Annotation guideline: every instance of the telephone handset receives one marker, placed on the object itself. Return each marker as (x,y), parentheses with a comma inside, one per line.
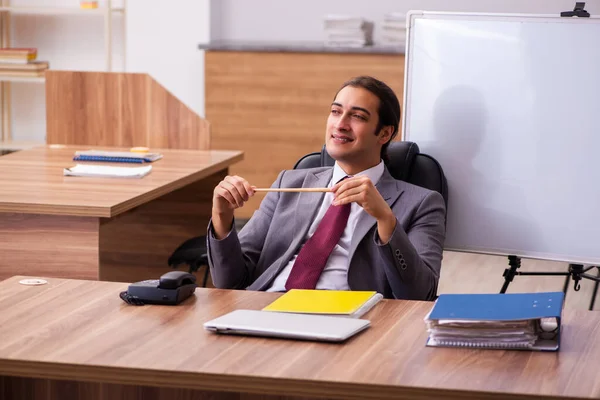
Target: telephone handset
(172,288)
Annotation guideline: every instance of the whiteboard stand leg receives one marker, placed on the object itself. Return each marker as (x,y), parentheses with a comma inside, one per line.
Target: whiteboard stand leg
(515,263)
(566,285)
(509,273)
(578,11)
(576,271)
(596,284)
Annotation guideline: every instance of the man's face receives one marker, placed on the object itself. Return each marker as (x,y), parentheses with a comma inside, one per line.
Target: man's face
(350,135)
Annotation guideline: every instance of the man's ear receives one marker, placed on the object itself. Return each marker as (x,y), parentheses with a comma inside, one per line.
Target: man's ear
(385,134)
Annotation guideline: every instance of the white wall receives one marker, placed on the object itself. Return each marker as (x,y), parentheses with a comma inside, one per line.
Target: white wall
(67,43)
(162,40)
(161,37)
(286,20)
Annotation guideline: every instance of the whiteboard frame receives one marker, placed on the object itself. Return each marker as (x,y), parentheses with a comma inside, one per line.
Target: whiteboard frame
(413,15)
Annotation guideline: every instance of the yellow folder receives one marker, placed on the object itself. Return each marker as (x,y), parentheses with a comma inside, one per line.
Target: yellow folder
(333,302)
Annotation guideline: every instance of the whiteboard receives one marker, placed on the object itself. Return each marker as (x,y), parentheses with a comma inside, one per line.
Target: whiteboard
(510,107)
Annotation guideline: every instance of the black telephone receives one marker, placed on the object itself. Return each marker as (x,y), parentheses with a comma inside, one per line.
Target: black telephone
(171,289)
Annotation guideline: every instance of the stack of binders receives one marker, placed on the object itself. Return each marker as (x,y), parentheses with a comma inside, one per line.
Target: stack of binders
(347,31)
(393,29)
(525,321)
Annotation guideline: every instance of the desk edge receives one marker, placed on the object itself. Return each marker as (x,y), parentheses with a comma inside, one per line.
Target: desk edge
(203,381)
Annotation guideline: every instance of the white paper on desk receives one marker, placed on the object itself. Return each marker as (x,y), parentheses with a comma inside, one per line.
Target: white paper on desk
(103,171)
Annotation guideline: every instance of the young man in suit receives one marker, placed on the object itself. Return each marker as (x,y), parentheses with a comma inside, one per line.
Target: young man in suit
(370,232)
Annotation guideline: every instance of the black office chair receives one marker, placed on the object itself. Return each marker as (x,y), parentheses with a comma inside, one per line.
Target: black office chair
(405,162)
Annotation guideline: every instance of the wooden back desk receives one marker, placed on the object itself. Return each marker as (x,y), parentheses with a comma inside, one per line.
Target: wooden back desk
(102,228)
(78,339)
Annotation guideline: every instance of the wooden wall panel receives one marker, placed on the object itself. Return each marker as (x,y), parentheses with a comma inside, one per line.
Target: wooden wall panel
(172,124)
(95,108)
(274,106)
(119,109)
(48,245)
(133,124)
(136,245)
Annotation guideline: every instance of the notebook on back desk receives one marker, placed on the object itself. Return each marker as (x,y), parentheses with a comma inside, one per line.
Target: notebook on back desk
(287,325)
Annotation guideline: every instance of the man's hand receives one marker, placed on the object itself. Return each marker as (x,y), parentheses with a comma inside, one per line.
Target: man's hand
(231,193)
(361,190)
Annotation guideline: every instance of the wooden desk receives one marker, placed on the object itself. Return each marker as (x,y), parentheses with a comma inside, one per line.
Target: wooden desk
(77,339)
(99,228)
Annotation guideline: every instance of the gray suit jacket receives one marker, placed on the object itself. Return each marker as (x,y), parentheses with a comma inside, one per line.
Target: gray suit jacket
(407,267)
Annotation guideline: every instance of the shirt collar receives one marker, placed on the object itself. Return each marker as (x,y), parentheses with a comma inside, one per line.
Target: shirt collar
(373,173)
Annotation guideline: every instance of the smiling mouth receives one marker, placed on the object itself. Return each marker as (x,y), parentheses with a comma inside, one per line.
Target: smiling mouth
(341,139)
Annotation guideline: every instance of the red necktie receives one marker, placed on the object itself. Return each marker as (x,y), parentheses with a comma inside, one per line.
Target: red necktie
(313,256)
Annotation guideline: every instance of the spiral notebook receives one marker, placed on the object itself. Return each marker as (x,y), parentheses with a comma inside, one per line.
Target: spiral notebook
(520,321)
(116,156)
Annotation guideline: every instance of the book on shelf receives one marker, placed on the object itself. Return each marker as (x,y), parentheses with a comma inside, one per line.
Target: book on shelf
(32,66)
(346,303)
(16,55)
(22,74)
(20,63)
(519,321)
(87,4)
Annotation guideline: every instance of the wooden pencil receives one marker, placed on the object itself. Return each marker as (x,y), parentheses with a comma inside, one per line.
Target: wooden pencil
(292,190)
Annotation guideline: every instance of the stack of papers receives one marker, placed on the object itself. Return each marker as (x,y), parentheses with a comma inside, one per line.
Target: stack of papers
(102,171)
(496,321)
(345,303)
(346,31)
(393,29)
(482,333)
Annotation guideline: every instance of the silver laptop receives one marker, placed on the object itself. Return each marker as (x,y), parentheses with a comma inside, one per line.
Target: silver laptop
(287,325)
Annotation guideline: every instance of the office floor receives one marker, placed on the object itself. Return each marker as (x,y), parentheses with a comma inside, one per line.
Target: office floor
(478,273)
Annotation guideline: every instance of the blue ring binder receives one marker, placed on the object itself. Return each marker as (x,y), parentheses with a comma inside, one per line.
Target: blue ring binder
(110,159)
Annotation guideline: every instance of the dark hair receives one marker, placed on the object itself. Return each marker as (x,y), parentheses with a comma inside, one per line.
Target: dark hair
(389,106)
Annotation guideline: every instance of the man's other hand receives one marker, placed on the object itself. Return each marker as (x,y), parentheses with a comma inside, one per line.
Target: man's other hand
(360,190)
(231,193)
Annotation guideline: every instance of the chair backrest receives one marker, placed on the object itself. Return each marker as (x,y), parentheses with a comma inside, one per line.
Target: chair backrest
(405,162)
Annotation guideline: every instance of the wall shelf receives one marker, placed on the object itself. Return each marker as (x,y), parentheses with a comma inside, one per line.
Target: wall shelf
(33,79)
(60,10)
(7,11)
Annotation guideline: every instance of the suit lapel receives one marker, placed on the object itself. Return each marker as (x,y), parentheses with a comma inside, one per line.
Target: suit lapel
(389,190)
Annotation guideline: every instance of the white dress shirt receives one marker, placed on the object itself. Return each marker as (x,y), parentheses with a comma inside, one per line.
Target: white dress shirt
(335,274)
